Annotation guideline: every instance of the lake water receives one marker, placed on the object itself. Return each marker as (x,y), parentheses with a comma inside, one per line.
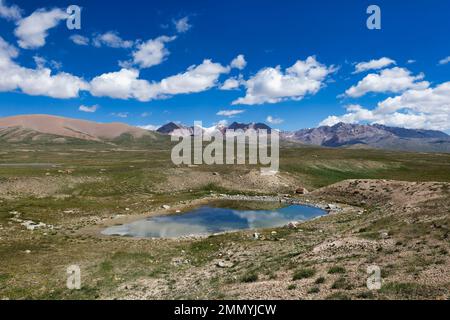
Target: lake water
(208,220)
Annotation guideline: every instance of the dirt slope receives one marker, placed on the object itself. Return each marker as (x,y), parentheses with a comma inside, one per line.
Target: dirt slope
(74,128)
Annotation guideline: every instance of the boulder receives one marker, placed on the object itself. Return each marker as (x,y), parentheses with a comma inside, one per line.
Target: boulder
(224,264)
(292,225)
(301,191)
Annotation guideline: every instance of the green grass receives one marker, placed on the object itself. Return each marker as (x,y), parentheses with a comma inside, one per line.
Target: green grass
(314,290)
(408,290)
(336,269)
(292,286)
(342,283)
(249,277)
(320,280)
(303,273)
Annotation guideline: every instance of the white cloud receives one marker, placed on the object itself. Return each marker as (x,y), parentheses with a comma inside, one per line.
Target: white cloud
(111,39)
(429,100)
(373,64)
(272,85)
(196,79)
(411,61)
(238,62)
(182,25)
(427,108)
(273,120)
(79,40)
(120,114)
(388,80)
(123,84)
(221,123)
(152,52)
(232,83)
(12,12)
(229,113)
(150,127)
(33,30)
(39,81)
(91,109)
(445,60)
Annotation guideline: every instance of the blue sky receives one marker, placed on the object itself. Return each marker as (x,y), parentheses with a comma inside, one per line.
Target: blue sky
(298,67)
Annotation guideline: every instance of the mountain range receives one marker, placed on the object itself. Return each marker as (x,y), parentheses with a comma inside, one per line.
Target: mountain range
(374,136)
(31,128)
(176,129)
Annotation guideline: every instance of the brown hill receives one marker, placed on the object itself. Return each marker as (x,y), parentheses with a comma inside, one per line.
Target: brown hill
(74,128)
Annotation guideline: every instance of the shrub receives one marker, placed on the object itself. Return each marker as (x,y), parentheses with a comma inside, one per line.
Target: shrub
(292,286)
(314,290)
(303,273)
(341,283)
(336,269)
(249,277)
(320,280)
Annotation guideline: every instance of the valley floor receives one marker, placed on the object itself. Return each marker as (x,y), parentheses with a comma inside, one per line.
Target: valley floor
(395,217)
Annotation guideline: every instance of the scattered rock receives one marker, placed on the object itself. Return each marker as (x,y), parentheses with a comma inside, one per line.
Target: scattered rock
(224,264)
(165,206)
(332,207)
(256,236)
(301,191)
(31,225)
(292,225)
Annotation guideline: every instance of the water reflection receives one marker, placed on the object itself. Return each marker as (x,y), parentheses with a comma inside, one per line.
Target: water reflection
(207,220)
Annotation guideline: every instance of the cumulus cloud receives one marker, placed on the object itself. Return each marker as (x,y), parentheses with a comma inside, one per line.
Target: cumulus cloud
(123,84)
(445,60)
(111,39)
(232,83)
(196,79)
(373,64)
(152,52)
(427,108)
(272,85)
(79,40)
(182,25)
(39,81)
(33,30)
(238,62)
(150,127)
(88,109)
(12,12)
(273,120)
(229,113)
(389,80)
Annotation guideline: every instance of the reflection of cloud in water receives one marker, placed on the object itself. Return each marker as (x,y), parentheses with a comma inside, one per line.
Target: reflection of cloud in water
(148,228)
(207,220)
(265,219)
